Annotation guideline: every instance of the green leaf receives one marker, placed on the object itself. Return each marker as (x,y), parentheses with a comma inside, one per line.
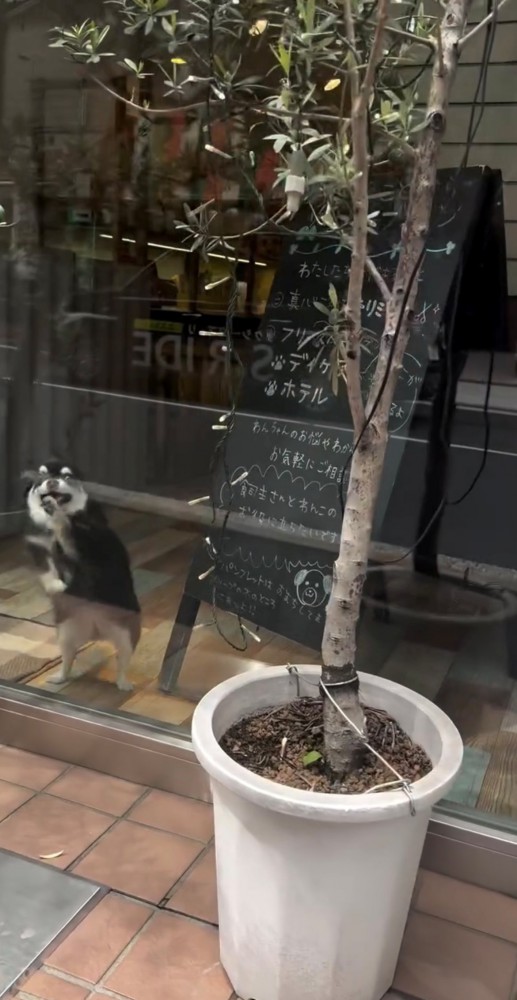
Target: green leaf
(386,108)
(311,758)
(319,152)
(333,296)
(315,138)
(419,127)
(310,11)
(169,25)
(280,142)
(284,57)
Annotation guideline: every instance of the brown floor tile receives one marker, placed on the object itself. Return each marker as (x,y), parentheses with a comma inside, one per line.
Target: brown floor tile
(443,961)
(110,995)
(176,814)
(90,950)
(139,861)
(100,791)
(12,796)
(116,996)
(48,987)
(197,895)
(468,905)
(152,703)
(28,769)
(173,958)
(46,825)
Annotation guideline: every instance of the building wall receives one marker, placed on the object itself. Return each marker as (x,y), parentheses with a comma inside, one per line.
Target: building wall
(495,143)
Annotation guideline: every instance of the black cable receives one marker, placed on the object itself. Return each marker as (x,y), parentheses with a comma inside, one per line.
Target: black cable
(441,506)
(221,449)
(487,433)
(471,134)
(222,452)
(481,84)
(385,377)
(446,502)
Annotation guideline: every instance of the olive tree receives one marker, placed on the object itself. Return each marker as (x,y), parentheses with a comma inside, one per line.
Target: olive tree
(353,97)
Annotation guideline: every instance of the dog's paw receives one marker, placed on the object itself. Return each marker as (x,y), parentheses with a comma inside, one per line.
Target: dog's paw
(50,505)
(55,587)
(123,684)
(59,677)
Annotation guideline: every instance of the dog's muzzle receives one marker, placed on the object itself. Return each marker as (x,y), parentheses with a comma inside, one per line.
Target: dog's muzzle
(55,489)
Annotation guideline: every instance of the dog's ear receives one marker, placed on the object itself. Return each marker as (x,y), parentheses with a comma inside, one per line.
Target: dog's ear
(70,469)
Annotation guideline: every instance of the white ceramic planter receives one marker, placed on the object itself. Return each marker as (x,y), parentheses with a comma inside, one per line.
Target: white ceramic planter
(314,889)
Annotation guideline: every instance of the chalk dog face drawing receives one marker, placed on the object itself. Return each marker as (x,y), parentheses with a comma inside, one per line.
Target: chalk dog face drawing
(83,567)
(312,587)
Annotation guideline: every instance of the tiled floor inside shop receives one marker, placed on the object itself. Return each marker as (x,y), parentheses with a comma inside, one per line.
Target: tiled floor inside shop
(465,672)
(152,932)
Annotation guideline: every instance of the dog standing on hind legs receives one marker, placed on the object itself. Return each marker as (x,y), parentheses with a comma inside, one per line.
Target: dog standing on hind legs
(83,567)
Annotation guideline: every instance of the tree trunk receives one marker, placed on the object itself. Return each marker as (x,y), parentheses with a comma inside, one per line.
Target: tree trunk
(342,744)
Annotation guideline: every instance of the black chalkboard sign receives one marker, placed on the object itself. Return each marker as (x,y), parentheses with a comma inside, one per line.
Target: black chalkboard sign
(292,489)
(289,373)
(292,435)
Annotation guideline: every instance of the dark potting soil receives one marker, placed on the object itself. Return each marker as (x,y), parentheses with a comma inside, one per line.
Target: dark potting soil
(286,745)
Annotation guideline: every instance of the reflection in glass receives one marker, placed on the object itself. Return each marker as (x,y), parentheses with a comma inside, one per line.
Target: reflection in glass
(118,357)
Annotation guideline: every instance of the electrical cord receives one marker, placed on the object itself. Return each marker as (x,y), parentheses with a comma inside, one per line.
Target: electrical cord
(481,84)
(445,501)
(441,506)
(221,452)
(471,134)
(385,378)
(486,438)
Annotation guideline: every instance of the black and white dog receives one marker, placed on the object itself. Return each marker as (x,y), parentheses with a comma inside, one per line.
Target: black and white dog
(83,567)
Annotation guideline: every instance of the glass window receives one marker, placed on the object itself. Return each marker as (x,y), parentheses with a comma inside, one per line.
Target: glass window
(123,347)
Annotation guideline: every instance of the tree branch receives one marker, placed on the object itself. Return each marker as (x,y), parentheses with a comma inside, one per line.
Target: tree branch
(439,51)
(360,96)
(482,24)
(416,226)
(178,108)
(379,280)
(415,39)
(142,107)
